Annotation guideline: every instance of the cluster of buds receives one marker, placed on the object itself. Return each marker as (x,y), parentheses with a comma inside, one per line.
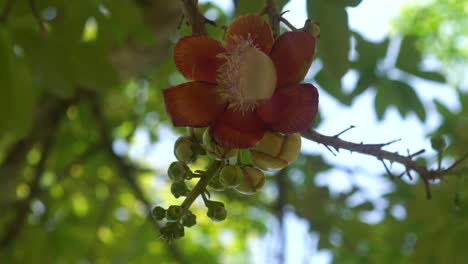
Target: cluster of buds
(237,169)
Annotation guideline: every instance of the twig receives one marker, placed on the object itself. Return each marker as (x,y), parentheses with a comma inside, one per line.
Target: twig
(271,9)
(377,151)
(6,11)
(37,16)
(194,17)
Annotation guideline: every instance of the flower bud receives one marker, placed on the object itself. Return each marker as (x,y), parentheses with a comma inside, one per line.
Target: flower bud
(179,189)
(173,213)
(275,151)
(173,230)
(438,143)
(253,180)
(214,150)
(158,213)
(196,133)
(178,171)
(215,183)
(189,219)
(216,211)
(230,176)
(183,150)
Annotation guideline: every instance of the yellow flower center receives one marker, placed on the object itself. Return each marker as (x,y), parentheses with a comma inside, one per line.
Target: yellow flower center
(247,77)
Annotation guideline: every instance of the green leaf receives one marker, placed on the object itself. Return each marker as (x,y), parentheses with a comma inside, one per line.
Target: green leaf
(409,56)
(431,75)
(399,94)
(17,94)
(352,3)
(332,86)
(369,55)
(248,6)
(334,42)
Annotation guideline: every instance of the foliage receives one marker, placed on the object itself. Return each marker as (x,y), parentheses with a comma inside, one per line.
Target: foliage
(81,82)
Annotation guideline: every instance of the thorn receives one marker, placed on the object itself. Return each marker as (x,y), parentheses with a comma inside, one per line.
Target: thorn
(329,149)
(209,21)
(181,21)
(388,170)
(427,187)
(457,163)
(284,12)
(349,128)
(409,174)
(390,142)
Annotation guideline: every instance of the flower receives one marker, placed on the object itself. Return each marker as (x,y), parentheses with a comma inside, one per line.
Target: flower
(247,86)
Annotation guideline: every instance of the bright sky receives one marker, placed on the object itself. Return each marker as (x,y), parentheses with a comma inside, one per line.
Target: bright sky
(371,19)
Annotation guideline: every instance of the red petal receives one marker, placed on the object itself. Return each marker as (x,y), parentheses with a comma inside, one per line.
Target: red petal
(194,104)
(291,109)
(292,55)
(195,57)
(237,130)
(256,27)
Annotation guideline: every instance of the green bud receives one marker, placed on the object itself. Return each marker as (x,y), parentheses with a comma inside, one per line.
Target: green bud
(196,133)
(177,230)
(189,219)
(183,150)
(159,213)
(215,184)
(216,211)
(252,180)
(179,189)
(230,176)
(214,150)
(171,231)
(438,143)
(173,213)
(178,171)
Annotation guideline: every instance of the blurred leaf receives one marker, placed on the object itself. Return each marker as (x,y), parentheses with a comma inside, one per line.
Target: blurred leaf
(409,57)
(334,41)
(369,55)
(352,3)
(248,6)
(17,95)
(431,75)
(332,86)
(400,94)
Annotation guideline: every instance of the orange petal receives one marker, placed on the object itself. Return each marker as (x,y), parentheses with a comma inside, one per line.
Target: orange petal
(237,130)
(291,109)
(194,104)
(255,27)
(195,57)
(292,55)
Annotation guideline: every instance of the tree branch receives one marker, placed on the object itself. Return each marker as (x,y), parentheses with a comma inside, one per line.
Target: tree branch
(376,150)
(37,16)
(14,228)
(126,171)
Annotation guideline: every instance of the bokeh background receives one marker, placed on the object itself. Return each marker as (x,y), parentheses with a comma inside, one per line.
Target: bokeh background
(85,142)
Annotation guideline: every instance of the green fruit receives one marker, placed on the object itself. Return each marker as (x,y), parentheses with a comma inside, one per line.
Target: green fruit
(189,219)
(173,213)
(178,171)
(159,213)
(216,211)
(183,150)
(230,176)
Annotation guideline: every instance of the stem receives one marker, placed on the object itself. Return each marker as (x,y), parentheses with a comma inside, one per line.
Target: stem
(201,185)
(194,17)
